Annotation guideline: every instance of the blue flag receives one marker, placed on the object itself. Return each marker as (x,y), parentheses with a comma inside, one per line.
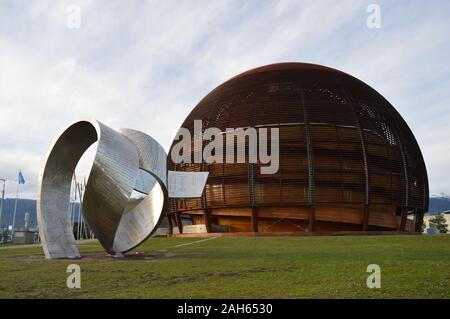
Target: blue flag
(21,179)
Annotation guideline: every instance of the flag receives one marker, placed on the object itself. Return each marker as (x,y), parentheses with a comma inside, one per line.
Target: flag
(21,179)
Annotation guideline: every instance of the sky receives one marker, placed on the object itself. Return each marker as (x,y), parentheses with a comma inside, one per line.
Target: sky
(146,64)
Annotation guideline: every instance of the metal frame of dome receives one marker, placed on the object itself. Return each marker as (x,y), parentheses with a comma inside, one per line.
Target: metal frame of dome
(348,160)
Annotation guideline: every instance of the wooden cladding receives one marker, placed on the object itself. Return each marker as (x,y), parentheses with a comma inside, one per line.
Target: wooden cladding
(346,156)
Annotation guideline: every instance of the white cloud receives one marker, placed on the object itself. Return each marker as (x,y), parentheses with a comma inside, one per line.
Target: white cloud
(146,64)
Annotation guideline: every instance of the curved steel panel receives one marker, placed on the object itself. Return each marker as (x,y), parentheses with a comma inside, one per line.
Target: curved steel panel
(119,223)
(142,216)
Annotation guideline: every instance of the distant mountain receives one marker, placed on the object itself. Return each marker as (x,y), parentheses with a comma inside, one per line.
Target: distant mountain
(23,206)
(439,204)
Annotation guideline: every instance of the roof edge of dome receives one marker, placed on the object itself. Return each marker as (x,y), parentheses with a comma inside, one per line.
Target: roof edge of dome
(281,66)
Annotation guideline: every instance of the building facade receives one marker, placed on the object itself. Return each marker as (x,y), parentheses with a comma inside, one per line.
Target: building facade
(348,160)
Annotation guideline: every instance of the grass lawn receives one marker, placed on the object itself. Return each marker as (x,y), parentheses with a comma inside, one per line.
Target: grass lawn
(241,267)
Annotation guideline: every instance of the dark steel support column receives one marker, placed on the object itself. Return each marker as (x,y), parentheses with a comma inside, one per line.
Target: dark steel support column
(251,195)
(405,172)
(366,211)
(366,216)
(426,192)
(418,213)
(169,219)
(206,220)
(312,218)
(419,221)
(310,157)
(251,179)
(179,223)
(255,219)
(399,138)
(203,200)
(403,219)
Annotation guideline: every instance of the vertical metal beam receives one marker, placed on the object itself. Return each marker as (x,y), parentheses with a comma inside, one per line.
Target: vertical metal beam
(362,138)
(399,137)
(426,192)
(251,195)
(422,168)
(251,187)
(405,176)
(366,214)
(366,217)
(251,178)
(172,209)
(419,221)
(170,213)
(311,217)
(169,219)
(251,184)
(206,220)
(254,219)
(179,223)
(203,199)
(310,158)
(404,215)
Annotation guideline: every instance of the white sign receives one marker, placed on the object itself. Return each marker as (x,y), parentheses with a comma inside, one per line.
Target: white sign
(186,184)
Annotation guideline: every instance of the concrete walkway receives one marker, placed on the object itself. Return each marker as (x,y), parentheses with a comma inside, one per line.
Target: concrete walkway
(8,247)
(194,242)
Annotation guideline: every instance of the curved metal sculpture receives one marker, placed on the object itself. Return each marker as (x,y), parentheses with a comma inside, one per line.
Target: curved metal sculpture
(124,161)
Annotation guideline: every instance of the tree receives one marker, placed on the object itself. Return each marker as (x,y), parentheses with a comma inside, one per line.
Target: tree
(424,226)
(440,222)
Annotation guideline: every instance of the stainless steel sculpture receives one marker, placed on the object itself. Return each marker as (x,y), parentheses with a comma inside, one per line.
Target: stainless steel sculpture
(124,161)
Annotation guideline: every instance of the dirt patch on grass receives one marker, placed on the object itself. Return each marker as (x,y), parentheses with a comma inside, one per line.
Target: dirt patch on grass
(101,256)
(172,280)
(243,272)
(154,255)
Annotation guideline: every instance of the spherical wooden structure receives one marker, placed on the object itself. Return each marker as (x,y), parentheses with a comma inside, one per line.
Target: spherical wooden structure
(348,160)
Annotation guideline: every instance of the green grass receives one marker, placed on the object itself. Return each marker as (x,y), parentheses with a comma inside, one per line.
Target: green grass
(254,267)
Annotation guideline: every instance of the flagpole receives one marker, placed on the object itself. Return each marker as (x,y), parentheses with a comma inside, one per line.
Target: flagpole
(81,192)
(15,210)
(78,217)
(79,210)
(72,207)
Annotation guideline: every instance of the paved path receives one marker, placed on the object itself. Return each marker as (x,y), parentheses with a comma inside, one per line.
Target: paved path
(195,242)
(88,241)
(8,247)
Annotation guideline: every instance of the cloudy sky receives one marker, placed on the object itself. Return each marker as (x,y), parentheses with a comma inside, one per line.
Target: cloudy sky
(146,64)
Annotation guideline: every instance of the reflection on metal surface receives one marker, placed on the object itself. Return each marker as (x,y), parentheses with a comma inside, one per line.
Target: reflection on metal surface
(186,184)
(119,222)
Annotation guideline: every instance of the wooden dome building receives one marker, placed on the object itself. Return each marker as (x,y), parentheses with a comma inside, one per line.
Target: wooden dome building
(348,162)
